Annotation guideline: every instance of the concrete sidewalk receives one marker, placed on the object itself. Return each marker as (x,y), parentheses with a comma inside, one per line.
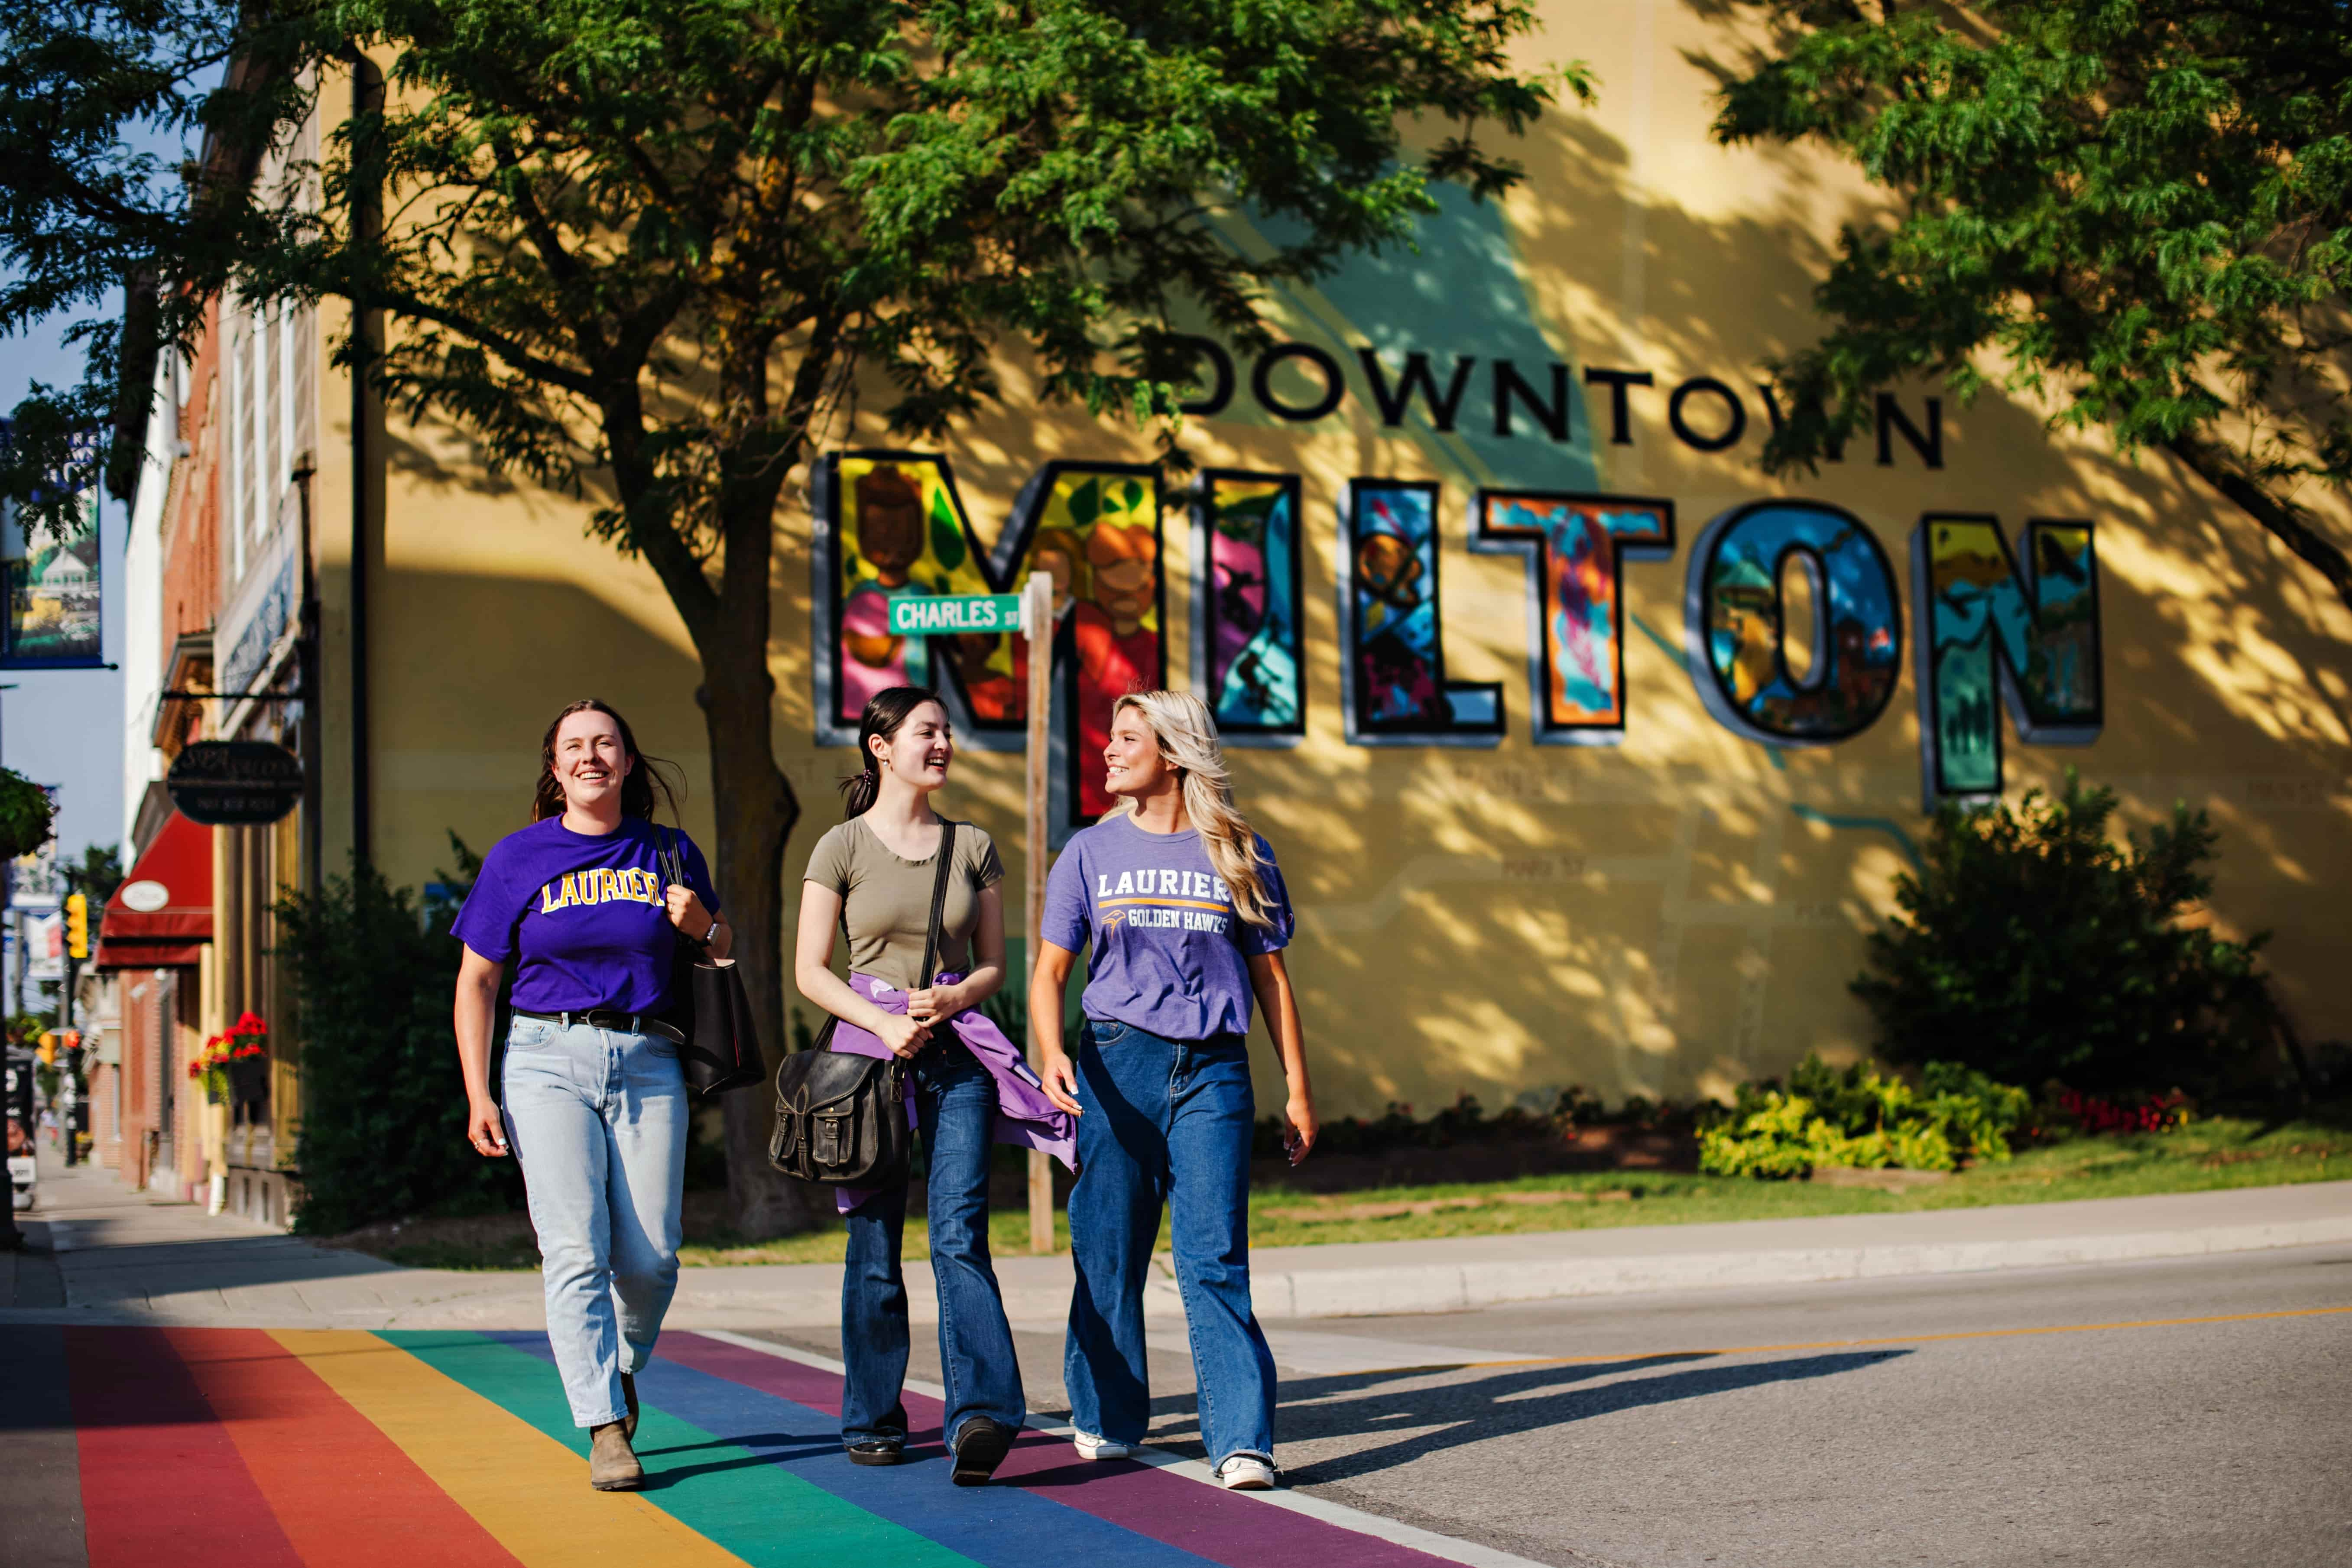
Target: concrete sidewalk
(102,1253)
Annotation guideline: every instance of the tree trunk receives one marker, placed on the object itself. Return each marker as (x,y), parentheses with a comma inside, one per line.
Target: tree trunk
(2284,519)
(756,811)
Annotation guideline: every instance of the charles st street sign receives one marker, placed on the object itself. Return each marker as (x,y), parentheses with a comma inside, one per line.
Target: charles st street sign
(229,783)
(937,614)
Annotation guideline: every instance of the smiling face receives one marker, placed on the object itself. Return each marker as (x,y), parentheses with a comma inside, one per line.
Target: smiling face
(921,749)
(1132,763)
(591,759)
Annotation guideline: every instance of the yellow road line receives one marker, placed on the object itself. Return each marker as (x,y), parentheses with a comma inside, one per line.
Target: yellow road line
(525,1488)
(1914,1339)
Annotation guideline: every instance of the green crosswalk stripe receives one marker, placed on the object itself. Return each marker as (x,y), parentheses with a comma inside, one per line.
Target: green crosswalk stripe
(743,1501)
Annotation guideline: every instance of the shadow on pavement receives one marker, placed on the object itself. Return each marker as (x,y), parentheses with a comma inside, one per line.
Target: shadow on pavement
(1525,1399)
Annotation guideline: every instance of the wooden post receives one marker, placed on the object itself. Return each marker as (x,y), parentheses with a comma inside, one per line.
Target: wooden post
(1037,625)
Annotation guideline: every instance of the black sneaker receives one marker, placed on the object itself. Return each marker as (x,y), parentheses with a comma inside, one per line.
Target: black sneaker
(873,1451)
(981,1445)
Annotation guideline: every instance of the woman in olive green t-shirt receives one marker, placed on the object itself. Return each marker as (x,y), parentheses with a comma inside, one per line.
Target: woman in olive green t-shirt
(872,876)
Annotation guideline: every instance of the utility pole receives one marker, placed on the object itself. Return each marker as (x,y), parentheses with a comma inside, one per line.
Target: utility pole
(1037,625)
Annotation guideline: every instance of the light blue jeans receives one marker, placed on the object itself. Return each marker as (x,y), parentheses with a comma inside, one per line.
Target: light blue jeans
(597,1119)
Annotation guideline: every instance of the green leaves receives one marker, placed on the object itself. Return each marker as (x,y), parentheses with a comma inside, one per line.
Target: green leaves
(2143,213)
(2035,946)
(1860,1119)
(27,812)
(384,1121)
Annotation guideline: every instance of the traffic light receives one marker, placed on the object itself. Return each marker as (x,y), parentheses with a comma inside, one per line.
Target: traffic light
(49,1048)
(77,925)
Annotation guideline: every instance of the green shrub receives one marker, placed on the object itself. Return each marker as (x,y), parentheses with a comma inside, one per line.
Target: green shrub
(1862,1119)
(27,813)
(2031,946)
(383,1109)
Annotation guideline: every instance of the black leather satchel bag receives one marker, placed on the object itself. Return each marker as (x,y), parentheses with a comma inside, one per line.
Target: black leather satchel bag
(710,1008)
(841,1118)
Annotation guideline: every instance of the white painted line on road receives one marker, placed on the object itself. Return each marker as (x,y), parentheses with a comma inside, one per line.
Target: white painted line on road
(1467,1552)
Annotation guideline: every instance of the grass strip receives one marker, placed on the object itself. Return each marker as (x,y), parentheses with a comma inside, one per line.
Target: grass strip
(2210,1155)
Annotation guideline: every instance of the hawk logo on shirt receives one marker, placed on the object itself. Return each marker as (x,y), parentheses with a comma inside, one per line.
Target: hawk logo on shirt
(600,885)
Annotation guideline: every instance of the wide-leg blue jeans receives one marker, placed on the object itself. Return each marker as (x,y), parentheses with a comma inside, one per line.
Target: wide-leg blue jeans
(597,1119)
(955,1101)
(1166,1121)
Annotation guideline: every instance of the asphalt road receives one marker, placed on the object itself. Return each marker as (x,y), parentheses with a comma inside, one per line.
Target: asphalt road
(2175,1415)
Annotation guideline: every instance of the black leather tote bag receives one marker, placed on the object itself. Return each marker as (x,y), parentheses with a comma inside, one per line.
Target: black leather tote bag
(841,1118)
(709,1007)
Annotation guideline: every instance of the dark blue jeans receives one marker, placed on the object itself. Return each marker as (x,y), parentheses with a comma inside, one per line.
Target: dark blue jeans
(955,1100)
(1167,1121)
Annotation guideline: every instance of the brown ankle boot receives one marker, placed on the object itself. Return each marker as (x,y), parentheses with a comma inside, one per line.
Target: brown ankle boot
(611,1464)
(629,1398)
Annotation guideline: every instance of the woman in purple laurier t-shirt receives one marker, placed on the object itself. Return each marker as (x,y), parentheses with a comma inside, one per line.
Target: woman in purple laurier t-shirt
(1184,918)
(594,1100)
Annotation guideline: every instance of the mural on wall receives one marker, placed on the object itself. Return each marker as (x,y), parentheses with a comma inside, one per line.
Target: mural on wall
(1577,547)
(893,523)
(1248,641)
(1737,623)
(1392,664)
(2030,630)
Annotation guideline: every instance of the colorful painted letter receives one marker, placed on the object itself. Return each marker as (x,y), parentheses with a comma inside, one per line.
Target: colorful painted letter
(890,523)
(1737,623)
(1248,647)
(1392,664)
(2034,632)
(1577,547)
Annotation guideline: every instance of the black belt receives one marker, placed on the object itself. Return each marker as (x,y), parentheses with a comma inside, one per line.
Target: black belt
(611,1018)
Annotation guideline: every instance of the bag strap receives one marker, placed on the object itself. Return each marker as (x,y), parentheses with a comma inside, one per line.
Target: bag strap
(938,899)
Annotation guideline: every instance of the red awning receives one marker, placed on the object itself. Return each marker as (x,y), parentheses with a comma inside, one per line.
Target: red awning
(147,955)
(168,897)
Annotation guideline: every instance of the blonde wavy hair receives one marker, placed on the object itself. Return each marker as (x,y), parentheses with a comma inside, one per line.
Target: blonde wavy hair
(1188,740)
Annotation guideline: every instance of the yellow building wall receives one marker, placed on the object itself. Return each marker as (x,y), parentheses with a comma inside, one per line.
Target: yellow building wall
(1667,915)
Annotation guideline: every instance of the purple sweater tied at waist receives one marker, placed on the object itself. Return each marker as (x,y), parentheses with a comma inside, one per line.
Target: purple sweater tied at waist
(1024,1115)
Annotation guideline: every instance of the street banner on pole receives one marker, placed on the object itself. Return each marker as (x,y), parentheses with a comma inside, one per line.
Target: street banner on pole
(53,597)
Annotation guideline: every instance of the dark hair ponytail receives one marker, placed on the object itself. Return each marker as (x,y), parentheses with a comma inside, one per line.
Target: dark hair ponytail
(886,714)
(646,775)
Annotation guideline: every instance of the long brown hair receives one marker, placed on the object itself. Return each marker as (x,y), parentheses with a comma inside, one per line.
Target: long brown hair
(648,776)
(886,712)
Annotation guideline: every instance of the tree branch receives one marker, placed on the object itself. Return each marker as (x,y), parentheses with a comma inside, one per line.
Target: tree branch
(2284,519)
(402,302)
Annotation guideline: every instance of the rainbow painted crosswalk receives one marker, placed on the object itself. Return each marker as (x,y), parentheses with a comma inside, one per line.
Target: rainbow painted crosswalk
(254,1448)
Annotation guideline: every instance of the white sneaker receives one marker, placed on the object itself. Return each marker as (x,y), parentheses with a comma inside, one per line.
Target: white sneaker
(1245,1473)
(1090,1447)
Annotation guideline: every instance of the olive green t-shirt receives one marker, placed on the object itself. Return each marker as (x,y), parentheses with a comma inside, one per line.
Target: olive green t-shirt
(885,903)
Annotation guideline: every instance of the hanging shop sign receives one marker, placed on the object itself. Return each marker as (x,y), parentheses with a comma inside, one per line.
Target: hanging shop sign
(229,783)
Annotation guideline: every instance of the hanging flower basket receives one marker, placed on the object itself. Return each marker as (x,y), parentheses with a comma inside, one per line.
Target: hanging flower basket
(235,1064)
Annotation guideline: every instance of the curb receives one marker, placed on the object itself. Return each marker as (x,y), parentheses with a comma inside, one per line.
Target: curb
(1448,1288)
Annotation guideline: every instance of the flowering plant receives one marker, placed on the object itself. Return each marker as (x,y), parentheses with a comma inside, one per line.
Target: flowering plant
(244,1040)
(2164,1113)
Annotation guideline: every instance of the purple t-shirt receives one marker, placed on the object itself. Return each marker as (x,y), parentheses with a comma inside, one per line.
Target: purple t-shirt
(584,912)
(1168,952)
